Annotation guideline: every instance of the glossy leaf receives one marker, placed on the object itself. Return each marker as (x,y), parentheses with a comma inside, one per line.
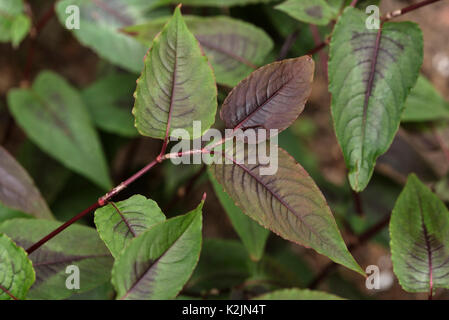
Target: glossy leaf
(319,12)
(118,223)
(14,24)
(297,294)
(219,3)
(16,271)
(235,48)
(54,117)
(78,245)
(17,189)
(425,103)
(109,101)
(177,84)
(158,263)
(287,202)
(272,97)
(252,234)
(100,22)
(419,231)
(371,73)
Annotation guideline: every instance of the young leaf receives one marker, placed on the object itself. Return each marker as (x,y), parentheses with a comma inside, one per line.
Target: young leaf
(287,202)
(158,263)
(16,271)
(78,245)
(118,223)
(235,48)
(420,239)
(318,12)
(109,102)
(99,27)
(54,117)
(297,294)
(14,24)
(370,75)
(272,97)
(17,189)
(177,84)
(252,234)
(424,103)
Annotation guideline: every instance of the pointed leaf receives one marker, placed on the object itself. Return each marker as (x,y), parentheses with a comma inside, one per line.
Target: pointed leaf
(177,84)
(54,117)
(425,103)
(158,263)
(118,223)
(17,189)
(371,73)
(287,202)
(16,271)
(235,48)
(419,231)
(272,97)
(252,234)
(218,3)
(297,294)
(100,22)
(78,245)
(318,12)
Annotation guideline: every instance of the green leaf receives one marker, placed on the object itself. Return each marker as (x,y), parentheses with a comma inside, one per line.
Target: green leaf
(109,101)
(419,231)
(235,48)
(16,271)
(54,117)
(118,223)
(297,294)
(252,235)
(370,75)
(158,263)
(318,12)
(100,24)
(218,3)
(176,86)
(223,264)
(287,202)
(78,245)
(14,24)
(272,97)
(17,189)
(425,103)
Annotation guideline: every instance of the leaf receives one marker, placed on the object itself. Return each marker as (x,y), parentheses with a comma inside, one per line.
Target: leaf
(109,102)
(223,264)
(419,231)
(176,86)
(78,245)
(425,103)
(118,223)
(219,3)
(318,12)
(297,294)
(287,202)
(16,271)
(272,97)
(252,235)
(100,22)
(234,47)
(14,24)
(54,117)
(158,263)
(370,75)
(17,189)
